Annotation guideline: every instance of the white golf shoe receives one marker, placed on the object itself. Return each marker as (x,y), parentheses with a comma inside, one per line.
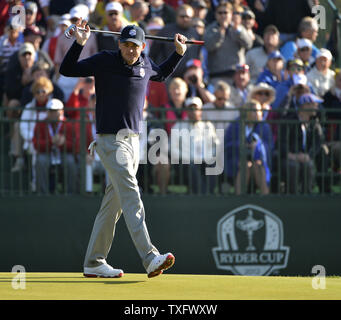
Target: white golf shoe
(159,264)
(103,271)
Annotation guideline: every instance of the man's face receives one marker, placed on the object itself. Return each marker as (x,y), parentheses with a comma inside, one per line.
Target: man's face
(223,14)
(114,18)
(310,34)
(271,39)
(296,69)
(26,60)
(194,113)
(304,53)
(242,78)
(275,65)
(184,18)
(322,63)
(221,98)
(55,115)
(34,39)
(310,109)
(30,17)
(130,51)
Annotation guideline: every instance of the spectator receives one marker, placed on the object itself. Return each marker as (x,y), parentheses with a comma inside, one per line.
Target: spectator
(175,108)
(258,144)
(42,89)
(160,50)
(50,44)
(5,12)
(57,145)
(308,29)
(321,76)
(80,97)
(196,150)
(115,23)
(295,75)
(241,85)
(304,53)
(194,78)
(222,36)
(154,25)
(31,10)
(137,13)
(249,22)
(9,43)
(257,57)
(39,69)
(18,75)
(264,94)
(200,9)
(158,8)
(273,72)
(63,44)
(220,112)
(302,148)
(332,100)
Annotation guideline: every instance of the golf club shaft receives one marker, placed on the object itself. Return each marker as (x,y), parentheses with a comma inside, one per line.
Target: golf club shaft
(169,39)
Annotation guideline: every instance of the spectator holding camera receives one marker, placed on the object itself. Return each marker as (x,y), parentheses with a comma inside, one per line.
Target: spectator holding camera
(194,79)
(225,36)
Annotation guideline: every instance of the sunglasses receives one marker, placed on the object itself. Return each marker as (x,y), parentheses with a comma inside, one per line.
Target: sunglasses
(113,13)
(222,12)
(296,68)
(41,91)
(305,49)
(263,93)
(184,16)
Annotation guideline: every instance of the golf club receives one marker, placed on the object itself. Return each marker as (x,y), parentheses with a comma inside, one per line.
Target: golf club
(69,33)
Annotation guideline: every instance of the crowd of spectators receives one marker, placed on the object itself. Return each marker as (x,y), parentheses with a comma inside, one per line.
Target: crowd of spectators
(260,78)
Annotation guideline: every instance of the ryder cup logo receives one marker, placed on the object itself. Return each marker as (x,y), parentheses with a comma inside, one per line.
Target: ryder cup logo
(142,73)
(132,32)
(250,241)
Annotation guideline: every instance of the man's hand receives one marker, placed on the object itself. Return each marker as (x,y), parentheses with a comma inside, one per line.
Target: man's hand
(82,36)
(180,46)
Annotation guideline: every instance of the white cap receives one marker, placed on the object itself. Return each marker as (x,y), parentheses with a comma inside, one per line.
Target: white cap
(55,104)
(114,6)
(325,53)
(79,11)
(193,100)
(302,43)
(65,19)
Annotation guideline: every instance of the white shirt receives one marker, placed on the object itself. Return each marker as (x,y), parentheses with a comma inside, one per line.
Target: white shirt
(320,82)
(193,142)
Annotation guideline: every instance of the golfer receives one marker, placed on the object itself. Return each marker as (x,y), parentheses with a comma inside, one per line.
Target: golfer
(121,79)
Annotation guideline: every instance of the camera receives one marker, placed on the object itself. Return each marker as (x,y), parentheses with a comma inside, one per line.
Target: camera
(193,79)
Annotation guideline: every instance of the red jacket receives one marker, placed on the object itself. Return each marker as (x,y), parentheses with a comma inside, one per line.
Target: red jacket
(77,102)
(42,139)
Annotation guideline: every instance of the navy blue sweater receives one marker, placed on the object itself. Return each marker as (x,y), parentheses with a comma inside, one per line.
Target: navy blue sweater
(120,88)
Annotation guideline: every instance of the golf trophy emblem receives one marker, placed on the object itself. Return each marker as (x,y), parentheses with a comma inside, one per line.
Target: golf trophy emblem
(250,225)
(250,242)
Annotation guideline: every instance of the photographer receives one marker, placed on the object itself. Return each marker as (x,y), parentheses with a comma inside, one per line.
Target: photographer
(193,76)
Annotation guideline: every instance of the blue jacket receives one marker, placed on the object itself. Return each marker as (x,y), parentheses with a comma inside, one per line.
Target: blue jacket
(120,88)
(269,78)
(289,48)
(262,134)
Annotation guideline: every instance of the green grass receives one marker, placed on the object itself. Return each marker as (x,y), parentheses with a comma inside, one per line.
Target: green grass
(73,286)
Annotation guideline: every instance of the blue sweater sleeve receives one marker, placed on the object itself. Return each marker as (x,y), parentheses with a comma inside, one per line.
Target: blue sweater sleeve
(71,67)
(166,68)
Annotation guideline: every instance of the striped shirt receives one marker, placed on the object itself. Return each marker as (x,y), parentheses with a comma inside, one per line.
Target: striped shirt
(6,50)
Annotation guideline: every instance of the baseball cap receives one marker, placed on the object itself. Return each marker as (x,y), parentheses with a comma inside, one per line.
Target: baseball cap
(79,11)
(302,43)
(193,63)
(33,30)
(309,98)
(248,14)
(55,104)
(32,6)
(295,62)
(193,100)
(114,6)
(133,34)
(27,47)
(65,19)
(325,53)
(242,67)
(275,55)
(198,4)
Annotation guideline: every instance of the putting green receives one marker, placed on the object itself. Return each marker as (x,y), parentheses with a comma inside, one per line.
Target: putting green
(73,286)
